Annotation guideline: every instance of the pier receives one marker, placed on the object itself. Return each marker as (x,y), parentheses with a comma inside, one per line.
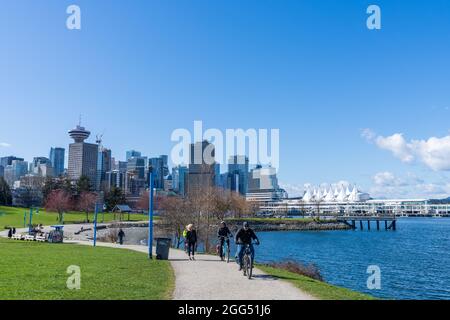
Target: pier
(390,222)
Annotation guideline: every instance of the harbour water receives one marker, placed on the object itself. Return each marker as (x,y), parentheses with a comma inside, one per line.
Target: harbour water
(414,260)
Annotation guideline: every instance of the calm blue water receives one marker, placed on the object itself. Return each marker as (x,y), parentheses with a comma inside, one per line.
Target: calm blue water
(414,260)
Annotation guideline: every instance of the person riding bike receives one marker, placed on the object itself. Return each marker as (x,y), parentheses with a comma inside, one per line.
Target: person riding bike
(244,237)
(223,234)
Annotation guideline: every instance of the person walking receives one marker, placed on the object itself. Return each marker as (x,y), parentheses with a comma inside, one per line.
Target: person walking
(191,238)
(121,235)
(10,233)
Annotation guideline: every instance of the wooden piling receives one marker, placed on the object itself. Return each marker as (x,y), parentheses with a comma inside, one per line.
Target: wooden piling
(378,225)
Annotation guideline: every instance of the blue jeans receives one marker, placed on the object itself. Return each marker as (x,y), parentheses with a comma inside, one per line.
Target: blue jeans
(240,253)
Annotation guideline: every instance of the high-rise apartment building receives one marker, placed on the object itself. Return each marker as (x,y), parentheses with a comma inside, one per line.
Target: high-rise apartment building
(104,165)
(41,166)
(132,154)
(82,156)
(202,167)
(263,179)
(136,166)
(179,177)
(15,171)
(57,156)
(238,171)
(6,161)
(159,169)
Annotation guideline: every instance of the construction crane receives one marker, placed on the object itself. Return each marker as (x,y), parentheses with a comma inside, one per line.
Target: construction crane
(98,139)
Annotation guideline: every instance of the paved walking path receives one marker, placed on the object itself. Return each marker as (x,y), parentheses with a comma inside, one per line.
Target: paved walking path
(208,278)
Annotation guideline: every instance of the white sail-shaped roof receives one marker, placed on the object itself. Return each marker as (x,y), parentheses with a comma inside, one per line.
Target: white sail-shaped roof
(330,196)
(307,197)
(342,197)
(353,197)
(319,195)
(347,192)
(336,192)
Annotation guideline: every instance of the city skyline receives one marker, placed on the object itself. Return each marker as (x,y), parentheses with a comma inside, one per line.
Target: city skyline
(368,107)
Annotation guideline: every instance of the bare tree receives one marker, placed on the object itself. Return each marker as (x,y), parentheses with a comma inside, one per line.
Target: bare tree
(58,201)
(175,215)
(86,202)
(204,207)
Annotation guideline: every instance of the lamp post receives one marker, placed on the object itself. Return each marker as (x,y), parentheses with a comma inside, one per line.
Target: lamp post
(95,224)
(31,218)
(150,217)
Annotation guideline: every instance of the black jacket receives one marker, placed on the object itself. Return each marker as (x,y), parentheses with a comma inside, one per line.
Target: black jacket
(224,232)
(191,236)
(245,236)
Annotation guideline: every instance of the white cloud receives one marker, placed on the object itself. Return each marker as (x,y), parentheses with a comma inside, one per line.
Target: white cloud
(433,152)
(388,185)
(5,145)
(368,134)
(293,190)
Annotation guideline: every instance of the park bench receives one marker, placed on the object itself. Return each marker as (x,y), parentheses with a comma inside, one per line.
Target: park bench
(40,238)
(16,236)
(28,237)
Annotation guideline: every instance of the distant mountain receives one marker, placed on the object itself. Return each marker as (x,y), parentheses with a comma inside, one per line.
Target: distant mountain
(439,201)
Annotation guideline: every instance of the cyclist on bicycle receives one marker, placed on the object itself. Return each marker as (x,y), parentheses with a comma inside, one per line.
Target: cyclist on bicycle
(223,234)
(244,237)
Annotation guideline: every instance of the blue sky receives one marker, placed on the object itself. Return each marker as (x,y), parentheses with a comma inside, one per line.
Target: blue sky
(137,70)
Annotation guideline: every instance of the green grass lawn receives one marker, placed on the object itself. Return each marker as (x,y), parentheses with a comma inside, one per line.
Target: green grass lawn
(318,289)
(37,271)
(13,217)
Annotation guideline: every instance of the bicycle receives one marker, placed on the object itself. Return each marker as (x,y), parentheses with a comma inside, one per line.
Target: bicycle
(225,249)
(247,262)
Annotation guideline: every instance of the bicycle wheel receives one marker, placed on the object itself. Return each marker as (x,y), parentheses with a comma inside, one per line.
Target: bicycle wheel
(244,264)
(249,267)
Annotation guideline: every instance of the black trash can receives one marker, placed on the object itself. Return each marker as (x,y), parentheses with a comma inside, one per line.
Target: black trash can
(162,248)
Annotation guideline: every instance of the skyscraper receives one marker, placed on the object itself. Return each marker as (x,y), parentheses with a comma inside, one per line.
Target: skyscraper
(238,170)
(136,166)
(179,176)
(159,169)
(82,156)
(15,171)
(263,179)
(6,161)
(104,165)
(132,154)
(57,160)
(202,167)
(41,166)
